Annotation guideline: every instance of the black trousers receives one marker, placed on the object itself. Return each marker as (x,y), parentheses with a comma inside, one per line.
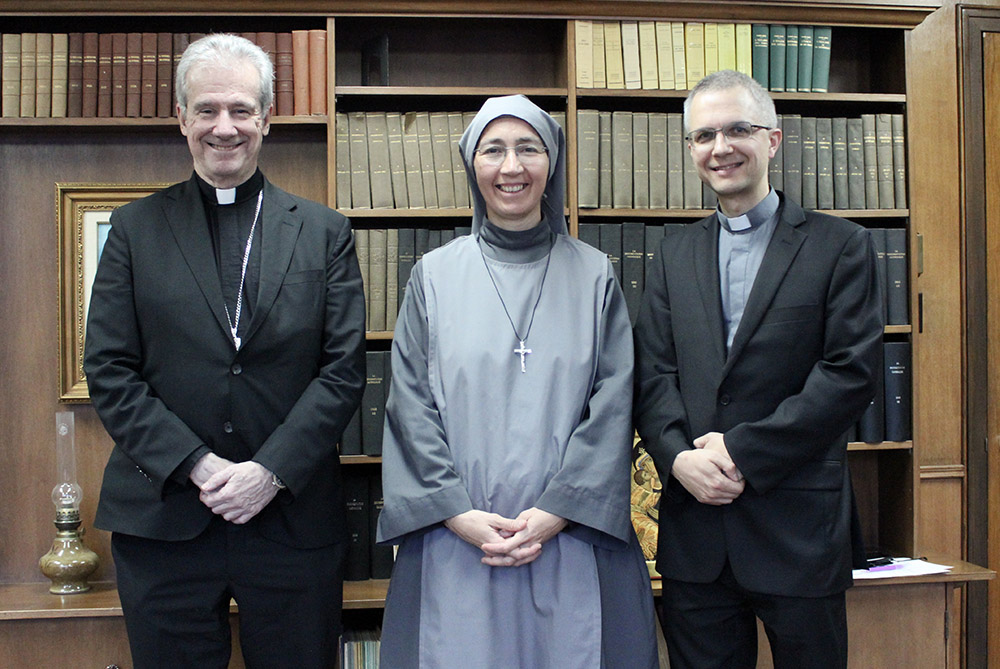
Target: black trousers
(714,625)
(175,597)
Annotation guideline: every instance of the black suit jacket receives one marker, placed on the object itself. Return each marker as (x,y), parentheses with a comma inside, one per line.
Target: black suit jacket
(802,368)
(165,377)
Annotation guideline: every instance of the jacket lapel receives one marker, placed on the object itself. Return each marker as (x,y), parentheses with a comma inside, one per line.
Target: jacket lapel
(706,264)
(280,225)
(781,251)
(186,218)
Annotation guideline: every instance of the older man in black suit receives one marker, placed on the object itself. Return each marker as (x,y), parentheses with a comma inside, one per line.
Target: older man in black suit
(225,356)
(758,345)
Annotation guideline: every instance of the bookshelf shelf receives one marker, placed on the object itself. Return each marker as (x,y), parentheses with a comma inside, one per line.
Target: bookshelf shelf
(883,446)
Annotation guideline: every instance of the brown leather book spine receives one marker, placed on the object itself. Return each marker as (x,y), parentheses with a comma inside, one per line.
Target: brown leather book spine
(164,71)
(317,72)
(181,41)
(74,77)
(283,84)
(147,92)
(268,42)
(300,71)
(88,93)
(133,75)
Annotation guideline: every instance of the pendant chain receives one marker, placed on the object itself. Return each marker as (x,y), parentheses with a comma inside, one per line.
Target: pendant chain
(235,324)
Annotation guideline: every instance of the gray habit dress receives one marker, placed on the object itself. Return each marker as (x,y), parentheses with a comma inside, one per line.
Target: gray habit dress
(467,429)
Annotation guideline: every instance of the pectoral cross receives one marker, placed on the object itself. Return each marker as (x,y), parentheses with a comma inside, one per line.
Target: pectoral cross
(522,352)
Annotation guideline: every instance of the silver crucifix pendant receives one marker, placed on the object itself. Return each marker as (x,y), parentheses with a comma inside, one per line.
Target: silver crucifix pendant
(522,352)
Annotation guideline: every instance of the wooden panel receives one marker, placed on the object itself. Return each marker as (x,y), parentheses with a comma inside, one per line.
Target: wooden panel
(940,528)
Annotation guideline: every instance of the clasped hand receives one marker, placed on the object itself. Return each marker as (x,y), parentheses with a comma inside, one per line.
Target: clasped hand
(507,542)
(235,491)
(707,471)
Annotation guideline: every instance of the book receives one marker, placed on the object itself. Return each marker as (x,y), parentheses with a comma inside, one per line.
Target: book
(147,89)
(442,151)
(898,391)
(597,56)
(791,155)
(60,75)
(426,147)
(824,163)
(649,67)
(605,166)
(267,40)
(630,55)
(343,160)
(651,249)
(791,59)
(362,248)
(633,251)
(373,403)
(744,48)
(126,74)
(841,177)
(584,44)
(727,46)
(611,244)
(879,244)
(614,65)
(855,165)
(680,56)
(657,160)
(776,166)
(692,183)
(377,252)
(458,176)
(317,71)
(284,74)
(640,160)
(361,196)
(397,164)
(43,75)
(10,75)
(588,157)
(89,75)
(896,277)
(357,564)
(180,44)
(300,72)
(711,48)
(883,158)
(411,162)
(899,160)
(381,558)
(391,278)
(822,36)
(407,246)
(104,70)
(776,57)
(761,41)
(675,160)
(694,50)
(870,152)
(29,68)
(164,71)
(380,181)
(664,55)
(621,183)
(809,163)
(590,233)
(805,58)
(74,77)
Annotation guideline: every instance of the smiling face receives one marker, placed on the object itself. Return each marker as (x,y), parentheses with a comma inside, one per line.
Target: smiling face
(512,189)
(223,122)
(735,169)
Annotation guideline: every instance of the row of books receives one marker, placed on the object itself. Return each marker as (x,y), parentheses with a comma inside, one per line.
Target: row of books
(363,495)
(639,160)
(889,416)
(410,160)
(632,248)
(359,649)
(386,257)
(132,74)
(675,55)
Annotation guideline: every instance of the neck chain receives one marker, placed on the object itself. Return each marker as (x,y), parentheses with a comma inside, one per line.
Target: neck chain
(235,324)
(521,350)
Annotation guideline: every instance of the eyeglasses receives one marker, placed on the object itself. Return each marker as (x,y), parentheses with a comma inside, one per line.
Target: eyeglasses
(734,132)
(528,154)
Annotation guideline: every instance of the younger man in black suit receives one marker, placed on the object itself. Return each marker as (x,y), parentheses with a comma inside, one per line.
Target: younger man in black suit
(225,356)
(757,346)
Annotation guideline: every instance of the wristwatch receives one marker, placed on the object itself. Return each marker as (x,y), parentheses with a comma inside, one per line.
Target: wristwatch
(276,482)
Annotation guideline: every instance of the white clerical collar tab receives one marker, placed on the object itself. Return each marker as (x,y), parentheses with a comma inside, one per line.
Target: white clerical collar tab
(739,223)
(225,195)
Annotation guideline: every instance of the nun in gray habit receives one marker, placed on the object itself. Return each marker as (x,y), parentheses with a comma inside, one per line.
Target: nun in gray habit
(505,458)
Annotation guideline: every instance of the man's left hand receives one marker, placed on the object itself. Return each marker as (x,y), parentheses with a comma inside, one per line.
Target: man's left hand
(239,492)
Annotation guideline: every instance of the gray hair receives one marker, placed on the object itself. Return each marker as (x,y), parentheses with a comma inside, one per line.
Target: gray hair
(224,49)
(762,106)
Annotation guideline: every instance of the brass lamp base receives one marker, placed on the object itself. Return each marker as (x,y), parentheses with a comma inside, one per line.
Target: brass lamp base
(69,563)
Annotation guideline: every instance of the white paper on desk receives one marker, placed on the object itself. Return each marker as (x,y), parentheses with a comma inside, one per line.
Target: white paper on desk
(903,567)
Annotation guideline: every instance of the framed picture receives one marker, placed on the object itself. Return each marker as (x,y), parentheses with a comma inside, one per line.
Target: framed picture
(83,213)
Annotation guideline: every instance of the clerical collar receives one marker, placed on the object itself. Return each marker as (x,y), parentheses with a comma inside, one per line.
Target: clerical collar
(760,214)
(223,196)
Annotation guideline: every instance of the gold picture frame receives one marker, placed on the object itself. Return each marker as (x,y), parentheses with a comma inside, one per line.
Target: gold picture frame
(83,211)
